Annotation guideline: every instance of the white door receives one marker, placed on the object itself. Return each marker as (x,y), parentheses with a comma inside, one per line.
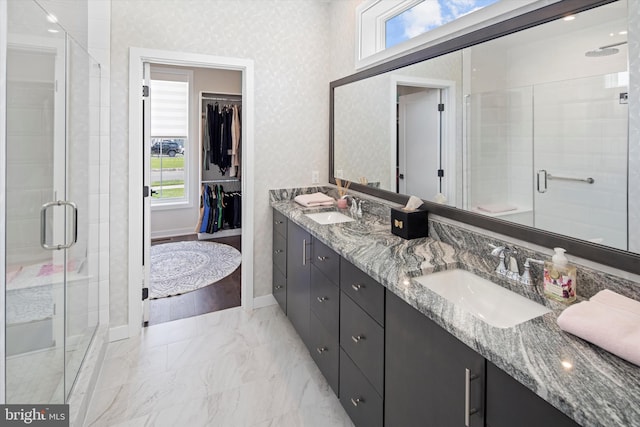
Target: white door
(419,134)
(146,155)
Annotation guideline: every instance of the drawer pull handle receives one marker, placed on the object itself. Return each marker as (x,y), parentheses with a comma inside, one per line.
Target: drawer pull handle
(278,222)
(357,338)
(321,350)
(279,286)
(322,258)
(279,251)
(322,299)
(357,401)
(468,377)
(357,287)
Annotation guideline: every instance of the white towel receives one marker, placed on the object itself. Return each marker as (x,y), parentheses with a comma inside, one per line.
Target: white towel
(496,207)
(315,199)
(609,320)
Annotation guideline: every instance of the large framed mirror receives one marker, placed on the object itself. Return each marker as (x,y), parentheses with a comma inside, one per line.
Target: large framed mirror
(521,127)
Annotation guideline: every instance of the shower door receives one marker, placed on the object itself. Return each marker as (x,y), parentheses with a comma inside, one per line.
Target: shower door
(52,219)
(580,158)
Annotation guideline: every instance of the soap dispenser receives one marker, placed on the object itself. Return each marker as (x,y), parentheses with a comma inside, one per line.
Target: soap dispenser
(560,278)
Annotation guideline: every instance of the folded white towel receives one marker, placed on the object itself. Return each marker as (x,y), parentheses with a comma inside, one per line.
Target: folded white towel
(608,321)
(496,207)
(315,199)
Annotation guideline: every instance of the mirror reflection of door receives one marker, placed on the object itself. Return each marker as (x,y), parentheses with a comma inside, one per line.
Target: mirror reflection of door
(419,133)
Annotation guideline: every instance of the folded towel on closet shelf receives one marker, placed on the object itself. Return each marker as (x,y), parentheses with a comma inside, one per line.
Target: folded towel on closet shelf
(315,199)
(609,320)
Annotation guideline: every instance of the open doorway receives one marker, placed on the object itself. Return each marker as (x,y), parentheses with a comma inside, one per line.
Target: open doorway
(195,181)
(423,141)
(140,221)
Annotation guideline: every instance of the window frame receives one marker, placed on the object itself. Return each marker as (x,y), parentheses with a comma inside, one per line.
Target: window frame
(371,17)
(188,200)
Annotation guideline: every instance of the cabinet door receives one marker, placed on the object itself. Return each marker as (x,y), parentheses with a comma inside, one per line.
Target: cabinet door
(358,397)
(325,301)
(279,288)
(510,403)
(426,380)
(325,351)
(298,277)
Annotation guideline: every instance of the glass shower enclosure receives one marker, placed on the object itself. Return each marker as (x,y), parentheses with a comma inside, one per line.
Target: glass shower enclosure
(52,216)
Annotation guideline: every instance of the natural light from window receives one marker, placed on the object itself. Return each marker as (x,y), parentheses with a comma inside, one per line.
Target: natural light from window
(426,16)
(169,139)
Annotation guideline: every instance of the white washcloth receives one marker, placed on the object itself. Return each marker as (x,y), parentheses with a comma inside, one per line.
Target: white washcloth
(609,320)
(315,199)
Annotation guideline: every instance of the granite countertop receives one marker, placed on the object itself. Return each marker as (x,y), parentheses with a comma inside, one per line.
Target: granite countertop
(588,384)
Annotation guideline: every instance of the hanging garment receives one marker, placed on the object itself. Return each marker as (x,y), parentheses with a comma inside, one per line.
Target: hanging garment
(205,142)
(206,208)
(215,126)
(235,142)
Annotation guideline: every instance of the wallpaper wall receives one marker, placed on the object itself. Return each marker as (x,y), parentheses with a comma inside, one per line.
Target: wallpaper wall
(289,43)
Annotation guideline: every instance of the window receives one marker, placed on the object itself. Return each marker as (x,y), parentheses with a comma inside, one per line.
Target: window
(170,89)
(389,28)
(427,15)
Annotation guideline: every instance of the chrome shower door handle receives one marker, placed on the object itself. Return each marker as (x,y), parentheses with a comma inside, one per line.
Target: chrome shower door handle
(540,173)
(43,225)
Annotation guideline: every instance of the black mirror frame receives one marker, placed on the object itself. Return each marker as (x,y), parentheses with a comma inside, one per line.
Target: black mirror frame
(612,257)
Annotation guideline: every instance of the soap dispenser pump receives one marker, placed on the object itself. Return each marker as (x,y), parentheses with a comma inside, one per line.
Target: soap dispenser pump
(560,278)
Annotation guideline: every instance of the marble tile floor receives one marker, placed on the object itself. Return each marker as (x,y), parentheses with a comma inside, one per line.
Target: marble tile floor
(223,369)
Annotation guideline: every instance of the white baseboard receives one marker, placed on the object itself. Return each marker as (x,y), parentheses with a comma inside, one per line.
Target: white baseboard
(118,333)
(161,234)
(264,301)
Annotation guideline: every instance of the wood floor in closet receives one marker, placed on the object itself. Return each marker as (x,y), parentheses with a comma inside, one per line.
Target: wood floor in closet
(220,295)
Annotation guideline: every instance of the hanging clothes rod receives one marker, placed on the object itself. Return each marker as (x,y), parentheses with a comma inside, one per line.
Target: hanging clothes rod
(215,181)
(222,97)
(562,178)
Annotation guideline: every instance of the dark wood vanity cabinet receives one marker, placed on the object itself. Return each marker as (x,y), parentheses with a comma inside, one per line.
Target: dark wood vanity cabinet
(279,283)
(362,337)
(510,403)
(298,279)
(389,364)
(431,378)
(324,301)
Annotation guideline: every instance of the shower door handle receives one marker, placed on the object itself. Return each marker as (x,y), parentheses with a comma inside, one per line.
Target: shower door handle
(43,225)
(539,174)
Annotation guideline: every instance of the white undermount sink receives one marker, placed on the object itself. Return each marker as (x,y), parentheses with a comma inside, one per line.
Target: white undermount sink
(491,303)
(330,217)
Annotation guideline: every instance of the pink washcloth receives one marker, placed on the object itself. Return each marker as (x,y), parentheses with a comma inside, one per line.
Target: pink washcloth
(618,301)
(606,322)
(315,199)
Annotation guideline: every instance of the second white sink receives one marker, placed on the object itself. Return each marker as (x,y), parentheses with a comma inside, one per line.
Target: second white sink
(330,217)
(491,303)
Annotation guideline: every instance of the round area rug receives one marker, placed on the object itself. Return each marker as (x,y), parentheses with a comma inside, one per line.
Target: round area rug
(182,267)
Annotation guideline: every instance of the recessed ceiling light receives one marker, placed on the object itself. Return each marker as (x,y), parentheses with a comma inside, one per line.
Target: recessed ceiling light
(569,18)
(622,33)
(51,30)
(52,18)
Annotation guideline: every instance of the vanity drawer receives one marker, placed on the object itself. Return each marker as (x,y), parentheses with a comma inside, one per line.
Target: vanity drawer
(325,351)
(280,252)
(326,259)
(279,288)
(279,223)
(363,340)
(365,291)
(325,301)
(363,404)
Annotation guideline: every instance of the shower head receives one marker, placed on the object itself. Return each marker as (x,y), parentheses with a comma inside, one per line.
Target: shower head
(607,50)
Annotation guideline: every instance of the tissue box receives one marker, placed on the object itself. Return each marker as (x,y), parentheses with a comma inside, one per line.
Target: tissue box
(409,224)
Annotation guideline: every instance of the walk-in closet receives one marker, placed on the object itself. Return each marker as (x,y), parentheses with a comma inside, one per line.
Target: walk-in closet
(195,251)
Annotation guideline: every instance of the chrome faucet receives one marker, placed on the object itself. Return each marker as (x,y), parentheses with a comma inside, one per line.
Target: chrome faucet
(499,252)
(525,279)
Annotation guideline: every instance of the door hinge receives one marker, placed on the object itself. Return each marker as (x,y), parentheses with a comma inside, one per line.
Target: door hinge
(441,173)
(145,90)
(145,293)
(440,107)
